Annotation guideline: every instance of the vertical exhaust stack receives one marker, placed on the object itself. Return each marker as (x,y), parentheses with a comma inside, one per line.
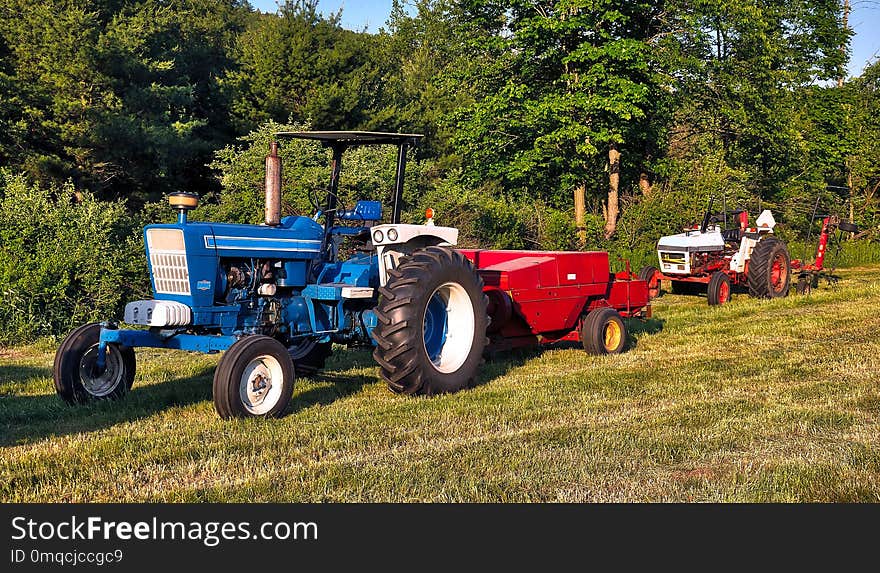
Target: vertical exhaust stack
(273,186)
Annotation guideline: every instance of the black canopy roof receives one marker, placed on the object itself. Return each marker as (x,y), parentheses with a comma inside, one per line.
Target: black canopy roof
(348,138)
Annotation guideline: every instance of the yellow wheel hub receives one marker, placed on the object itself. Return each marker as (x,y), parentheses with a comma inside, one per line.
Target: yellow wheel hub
(612,335)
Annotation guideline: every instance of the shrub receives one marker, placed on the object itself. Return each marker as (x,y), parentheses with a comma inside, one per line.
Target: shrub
(65,259)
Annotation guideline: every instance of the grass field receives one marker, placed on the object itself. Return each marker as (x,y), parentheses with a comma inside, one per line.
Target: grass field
(753,401)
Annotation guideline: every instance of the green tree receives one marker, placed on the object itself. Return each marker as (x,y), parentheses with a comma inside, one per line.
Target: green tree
(298,65)
(120,96)
(567,86)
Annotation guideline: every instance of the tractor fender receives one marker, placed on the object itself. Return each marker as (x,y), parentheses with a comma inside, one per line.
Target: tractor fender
(393,241)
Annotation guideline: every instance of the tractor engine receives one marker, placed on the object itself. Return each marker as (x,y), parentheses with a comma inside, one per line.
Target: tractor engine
(217,278)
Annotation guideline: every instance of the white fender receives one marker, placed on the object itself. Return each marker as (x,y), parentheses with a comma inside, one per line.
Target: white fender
(404,239)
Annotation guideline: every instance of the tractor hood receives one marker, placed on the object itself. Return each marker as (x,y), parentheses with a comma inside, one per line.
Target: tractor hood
(693,241)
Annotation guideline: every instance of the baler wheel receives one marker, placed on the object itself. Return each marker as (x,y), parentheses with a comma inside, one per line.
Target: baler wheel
(254,379)
(769,269)
(76,377)
(309,356)
(603,332)
(718,291)
(651,275)
(432,324)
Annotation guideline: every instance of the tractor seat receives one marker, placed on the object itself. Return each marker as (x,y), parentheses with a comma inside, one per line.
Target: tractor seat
(731,235)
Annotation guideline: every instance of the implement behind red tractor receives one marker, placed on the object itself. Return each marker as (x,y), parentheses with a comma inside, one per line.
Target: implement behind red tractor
(548,296)
(809,274)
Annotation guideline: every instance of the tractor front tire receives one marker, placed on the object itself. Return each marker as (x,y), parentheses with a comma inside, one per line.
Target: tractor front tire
(77,378)
(309,356)
(432,324)
(769,269)
(718,291)
(254,379)
(651,275)
(603,332)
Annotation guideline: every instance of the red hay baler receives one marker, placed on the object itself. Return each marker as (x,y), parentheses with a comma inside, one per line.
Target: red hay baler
(541,297)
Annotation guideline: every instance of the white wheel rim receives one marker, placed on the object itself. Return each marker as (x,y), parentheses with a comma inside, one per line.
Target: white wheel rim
(261,384)
(106,382)
(460,330)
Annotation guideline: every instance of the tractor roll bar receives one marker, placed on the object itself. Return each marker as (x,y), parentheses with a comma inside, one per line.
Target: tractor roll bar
(339,141)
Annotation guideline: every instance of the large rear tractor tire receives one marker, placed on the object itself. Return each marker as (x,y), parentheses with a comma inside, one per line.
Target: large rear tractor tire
(769,269)
(718,291)
(77,377)
(651,275)
(309,356)
(254,379)
(432,324)
(603,332)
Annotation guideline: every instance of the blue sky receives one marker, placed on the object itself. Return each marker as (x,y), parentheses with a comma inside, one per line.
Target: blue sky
(372,14)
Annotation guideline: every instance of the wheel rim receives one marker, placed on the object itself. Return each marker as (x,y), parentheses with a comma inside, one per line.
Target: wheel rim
(611,334)
(723,292)
(103,383)
(778,272)
(261,384)
(449,327)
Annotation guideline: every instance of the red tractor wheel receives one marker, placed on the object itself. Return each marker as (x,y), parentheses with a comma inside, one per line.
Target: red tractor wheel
(718,290)
(769,269)
(651,275)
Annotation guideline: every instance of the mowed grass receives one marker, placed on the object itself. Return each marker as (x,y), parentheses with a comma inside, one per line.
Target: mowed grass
(756,401)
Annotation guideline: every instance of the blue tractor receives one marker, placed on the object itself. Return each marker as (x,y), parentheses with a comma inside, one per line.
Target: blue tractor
(275,297)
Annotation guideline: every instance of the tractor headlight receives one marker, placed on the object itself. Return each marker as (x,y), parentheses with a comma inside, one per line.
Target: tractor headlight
(378,237)
(392,234)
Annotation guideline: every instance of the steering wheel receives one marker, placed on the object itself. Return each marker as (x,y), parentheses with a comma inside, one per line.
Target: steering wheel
(314,200)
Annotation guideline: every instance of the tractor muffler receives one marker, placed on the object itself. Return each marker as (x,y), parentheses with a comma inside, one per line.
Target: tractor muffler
(273,186)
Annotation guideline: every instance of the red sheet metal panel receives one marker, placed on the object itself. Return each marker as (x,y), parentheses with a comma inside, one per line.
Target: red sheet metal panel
(550,290)
(567,268)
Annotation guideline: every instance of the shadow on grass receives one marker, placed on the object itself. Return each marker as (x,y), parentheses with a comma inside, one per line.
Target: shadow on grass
(25,419)
(331,387)
(652,325)
(16,373)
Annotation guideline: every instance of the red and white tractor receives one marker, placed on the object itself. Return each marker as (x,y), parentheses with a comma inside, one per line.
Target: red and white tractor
(715,257)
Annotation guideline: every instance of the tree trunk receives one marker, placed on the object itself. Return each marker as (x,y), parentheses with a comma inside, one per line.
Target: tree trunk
(645,183)
(846,9)
(580,215)
(612,207)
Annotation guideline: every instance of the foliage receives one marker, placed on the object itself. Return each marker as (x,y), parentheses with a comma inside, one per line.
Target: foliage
(65,259)
(121,97)
(298,65)
(560,82)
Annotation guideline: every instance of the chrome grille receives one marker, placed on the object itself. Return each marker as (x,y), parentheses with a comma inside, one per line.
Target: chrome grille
(170,272)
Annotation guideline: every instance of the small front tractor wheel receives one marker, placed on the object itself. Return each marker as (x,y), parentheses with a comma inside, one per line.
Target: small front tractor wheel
(718,290)
(432,324)
(603,332)
(254,379)
(651,275)
(77,376)
(769,269)
(309,356)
